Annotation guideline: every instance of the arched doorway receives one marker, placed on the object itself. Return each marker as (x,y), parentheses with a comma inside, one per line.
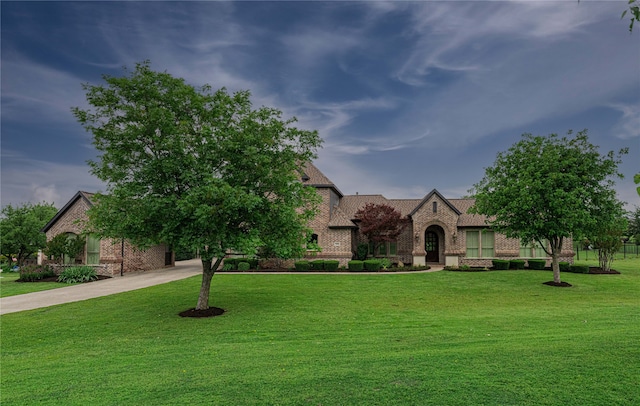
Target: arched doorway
(434,243)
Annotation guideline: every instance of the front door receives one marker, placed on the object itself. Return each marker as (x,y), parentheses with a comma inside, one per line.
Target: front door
(431,246)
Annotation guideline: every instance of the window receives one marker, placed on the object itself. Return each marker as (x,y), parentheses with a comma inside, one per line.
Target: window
(435,207)
(384,249)
(312,244)
(480,244)
(533,250)
(93,250)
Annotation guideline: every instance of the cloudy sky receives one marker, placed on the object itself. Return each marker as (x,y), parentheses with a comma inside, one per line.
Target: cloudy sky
(408,96)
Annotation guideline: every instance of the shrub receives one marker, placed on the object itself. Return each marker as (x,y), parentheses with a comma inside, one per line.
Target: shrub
(385,263)
(500,264)
(331,265)
(372,265)
(78,274)
(253,263)
(579,268)
(362,251)
(231,264)
(34,273)
(465,267)
(564,267)
(356,265)
(243,266)
(536,263)
(317,265)
(302,265)
(516,264)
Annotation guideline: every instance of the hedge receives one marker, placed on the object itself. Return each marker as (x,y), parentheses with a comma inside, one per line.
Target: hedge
(331,265)
(579,268)
(317,265)
(516,264)
(356,265)
(302,265)
(500,264)
(537,263)
(373,265)
(243,266)
(565,267)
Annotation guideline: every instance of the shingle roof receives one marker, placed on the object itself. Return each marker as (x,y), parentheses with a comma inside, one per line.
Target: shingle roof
(340,220)
(311,176)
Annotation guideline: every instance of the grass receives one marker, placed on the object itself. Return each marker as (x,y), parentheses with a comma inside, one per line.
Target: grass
(9,287)
(454,338)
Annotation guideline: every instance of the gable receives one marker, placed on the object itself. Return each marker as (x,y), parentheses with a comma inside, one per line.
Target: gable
(434,194)
(82,197)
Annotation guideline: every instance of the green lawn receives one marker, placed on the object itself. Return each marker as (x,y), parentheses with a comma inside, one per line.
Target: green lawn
(443,338)
(9,287)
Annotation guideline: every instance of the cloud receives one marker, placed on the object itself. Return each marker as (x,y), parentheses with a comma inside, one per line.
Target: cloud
(28,180)
(629,124)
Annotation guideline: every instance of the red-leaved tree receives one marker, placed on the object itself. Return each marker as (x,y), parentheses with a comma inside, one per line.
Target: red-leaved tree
(380,223)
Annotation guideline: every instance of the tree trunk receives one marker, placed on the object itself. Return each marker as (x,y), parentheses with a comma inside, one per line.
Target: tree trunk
(205,287)
(556,248)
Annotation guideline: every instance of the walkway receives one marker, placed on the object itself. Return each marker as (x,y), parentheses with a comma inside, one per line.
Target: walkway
(105,287)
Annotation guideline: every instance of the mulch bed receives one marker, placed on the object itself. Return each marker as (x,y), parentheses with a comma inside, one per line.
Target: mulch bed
(210,312)
(55,279)
(596,270)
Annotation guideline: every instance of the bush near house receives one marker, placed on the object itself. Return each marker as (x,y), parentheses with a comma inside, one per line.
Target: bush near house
(317,265)
(244,266)
(34,273)
(372,265)
(579,268)
(331,265)
(516,264)
(564,266)
(356,265)
(78,274)
(536,263)
(500,264)
(302,265)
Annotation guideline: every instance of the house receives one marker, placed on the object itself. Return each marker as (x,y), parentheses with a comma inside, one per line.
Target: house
(110,257)
(441,231)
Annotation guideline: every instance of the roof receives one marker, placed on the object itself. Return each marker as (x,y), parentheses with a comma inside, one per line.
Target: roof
(86,196)
(311,176)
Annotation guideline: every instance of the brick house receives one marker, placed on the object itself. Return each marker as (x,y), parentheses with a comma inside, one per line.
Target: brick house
(107,255)
(440,231)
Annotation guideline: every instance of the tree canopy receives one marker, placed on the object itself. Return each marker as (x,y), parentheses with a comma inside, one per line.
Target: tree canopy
(21,233)
(380,223)
(546,189)
(196,168)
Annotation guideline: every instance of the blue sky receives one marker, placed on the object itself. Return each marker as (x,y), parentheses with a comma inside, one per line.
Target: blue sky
(408,96)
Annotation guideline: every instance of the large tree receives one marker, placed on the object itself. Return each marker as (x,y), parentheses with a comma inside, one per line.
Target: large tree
(196,168)
(546,189)
(21,233)
(380,223)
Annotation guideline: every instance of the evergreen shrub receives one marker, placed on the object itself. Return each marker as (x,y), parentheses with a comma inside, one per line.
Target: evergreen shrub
(565,267)
(516,264)
(579,268)
(331,265)
(372,265)
(500,264)
(317,265)
(356,265)
(536,263)
(243,266)
(302,265)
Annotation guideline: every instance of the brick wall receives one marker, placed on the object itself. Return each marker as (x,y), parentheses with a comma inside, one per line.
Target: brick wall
(74,221)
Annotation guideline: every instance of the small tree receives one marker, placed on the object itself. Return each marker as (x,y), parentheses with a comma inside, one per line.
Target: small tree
(550,188)
(65,246)
(380,223)
(197,169)
(608,242)
(21,233)
(633,231)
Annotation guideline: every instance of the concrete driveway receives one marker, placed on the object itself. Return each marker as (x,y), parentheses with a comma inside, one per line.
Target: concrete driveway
(84,291)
